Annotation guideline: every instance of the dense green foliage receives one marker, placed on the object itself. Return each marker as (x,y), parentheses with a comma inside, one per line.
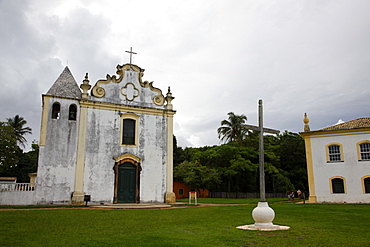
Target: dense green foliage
(13,161)
(197,176)
(311,225)
(236,165)
(8,148)
(27,163)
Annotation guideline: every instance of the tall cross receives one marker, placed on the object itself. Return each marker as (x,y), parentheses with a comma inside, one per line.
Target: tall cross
(262,158)
(131,52)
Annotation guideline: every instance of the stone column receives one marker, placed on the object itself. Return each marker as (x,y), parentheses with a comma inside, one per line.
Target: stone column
(44,119)
(78,194)
(310,173)
(170,195)
(307,142)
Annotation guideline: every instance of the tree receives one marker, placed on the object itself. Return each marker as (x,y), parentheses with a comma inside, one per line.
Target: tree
(27,163)
(293,159)
(237,165)
(195,175)
(233,129)
(18,124)
(233,163)
(8,148)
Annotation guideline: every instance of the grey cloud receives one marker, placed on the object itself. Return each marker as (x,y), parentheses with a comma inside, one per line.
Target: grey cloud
(298,56)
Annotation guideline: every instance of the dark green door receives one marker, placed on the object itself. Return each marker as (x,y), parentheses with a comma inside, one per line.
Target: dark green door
(126,183)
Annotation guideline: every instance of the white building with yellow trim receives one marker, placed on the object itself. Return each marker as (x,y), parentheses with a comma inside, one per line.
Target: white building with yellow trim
(114,144)
(338,162)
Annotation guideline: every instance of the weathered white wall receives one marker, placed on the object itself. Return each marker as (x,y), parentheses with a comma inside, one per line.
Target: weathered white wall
(57,159)
(103,133)
(351,169)
(152,141)
(18,198)
(103,144)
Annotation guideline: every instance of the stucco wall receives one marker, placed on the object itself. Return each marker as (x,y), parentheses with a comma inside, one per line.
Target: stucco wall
(18,198)
(57,159)
(152,149)
(103,144)
(350,169)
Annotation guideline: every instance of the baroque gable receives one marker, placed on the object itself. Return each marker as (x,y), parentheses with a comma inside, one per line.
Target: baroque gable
(127,87)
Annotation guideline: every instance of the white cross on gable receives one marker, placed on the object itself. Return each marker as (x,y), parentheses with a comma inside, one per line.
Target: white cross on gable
(131,52)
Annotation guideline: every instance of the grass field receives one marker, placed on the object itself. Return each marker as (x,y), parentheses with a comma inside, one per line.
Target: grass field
(236,201)
(311,225)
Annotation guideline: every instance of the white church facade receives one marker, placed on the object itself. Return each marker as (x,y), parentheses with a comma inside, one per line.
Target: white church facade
(338,162)
(114,143)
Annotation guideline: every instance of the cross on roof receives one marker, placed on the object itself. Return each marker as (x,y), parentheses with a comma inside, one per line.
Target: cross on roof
(131,52)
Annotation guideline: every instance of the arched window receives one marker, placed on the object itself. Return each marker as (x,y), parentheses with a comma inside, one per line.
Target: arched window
(337,185)
(72,112)
(365,151)
(334,152)
(55,113)
(366,184)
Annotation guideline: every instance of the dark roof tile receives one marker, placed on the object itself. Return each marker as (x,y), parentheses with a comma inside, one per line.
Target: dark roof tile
(65,86)
(352,124)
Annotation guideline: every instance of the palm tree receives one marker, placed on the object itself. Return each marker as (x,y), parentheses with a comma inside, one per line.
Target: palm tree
(233,129)
(18,124)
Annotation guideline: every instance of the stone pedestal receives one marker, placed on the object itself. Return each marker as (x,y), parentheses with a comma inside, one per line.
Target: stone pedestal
(170,197)
(263,216)
(78,198)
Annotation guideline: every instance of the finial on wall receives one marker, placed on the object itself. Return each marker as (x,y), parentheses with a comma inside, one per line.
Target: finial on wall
(169,98)
(85,86)
(306,121)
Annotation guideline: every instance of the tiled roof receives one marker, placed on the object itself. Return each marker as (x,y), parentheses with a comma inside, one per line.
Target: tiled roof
(65,86)
(8,178)
(352,124)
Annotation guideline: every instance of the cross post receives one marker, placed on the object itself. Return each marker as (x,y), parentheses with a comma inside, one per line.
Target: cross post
(262,158)
(262,130)
(262,153)
(263,215)
(131,52)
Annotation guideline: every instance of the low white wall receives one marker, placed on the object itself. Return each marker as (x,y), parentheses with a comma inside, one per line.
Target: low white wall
(18,198)
(343,198)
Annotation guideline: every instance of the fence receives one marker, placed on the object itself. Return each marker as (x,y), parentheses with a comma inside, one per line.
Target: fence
(17,187)
(244,195)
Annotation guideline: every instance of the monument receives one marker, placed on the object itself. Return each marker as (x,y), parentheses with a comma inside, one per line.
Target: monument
(263,215)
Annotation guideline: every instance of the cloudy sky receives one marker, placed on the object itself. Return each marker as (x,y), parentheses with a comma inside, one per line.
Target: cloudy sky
(217,56)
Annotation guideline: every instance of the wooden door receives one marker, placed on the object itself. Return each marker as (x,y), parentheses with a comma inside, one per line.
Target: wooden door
(126,183)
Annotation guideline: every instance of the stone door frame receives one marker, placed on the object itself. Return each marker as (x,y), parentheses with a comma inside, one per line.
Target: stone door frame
(130,158)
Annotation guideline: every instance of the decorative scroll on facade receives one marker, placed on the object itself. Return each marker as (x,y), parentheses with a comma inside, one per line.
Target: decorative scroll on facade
(129,90)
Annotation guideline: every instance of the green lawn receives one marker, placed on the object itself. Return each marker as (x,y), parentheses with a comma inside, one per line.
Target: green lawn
(235,201)
(311,225)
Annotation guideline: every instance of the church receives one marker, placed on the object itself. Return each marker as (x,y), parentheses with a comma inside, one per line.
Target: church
(111,141)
